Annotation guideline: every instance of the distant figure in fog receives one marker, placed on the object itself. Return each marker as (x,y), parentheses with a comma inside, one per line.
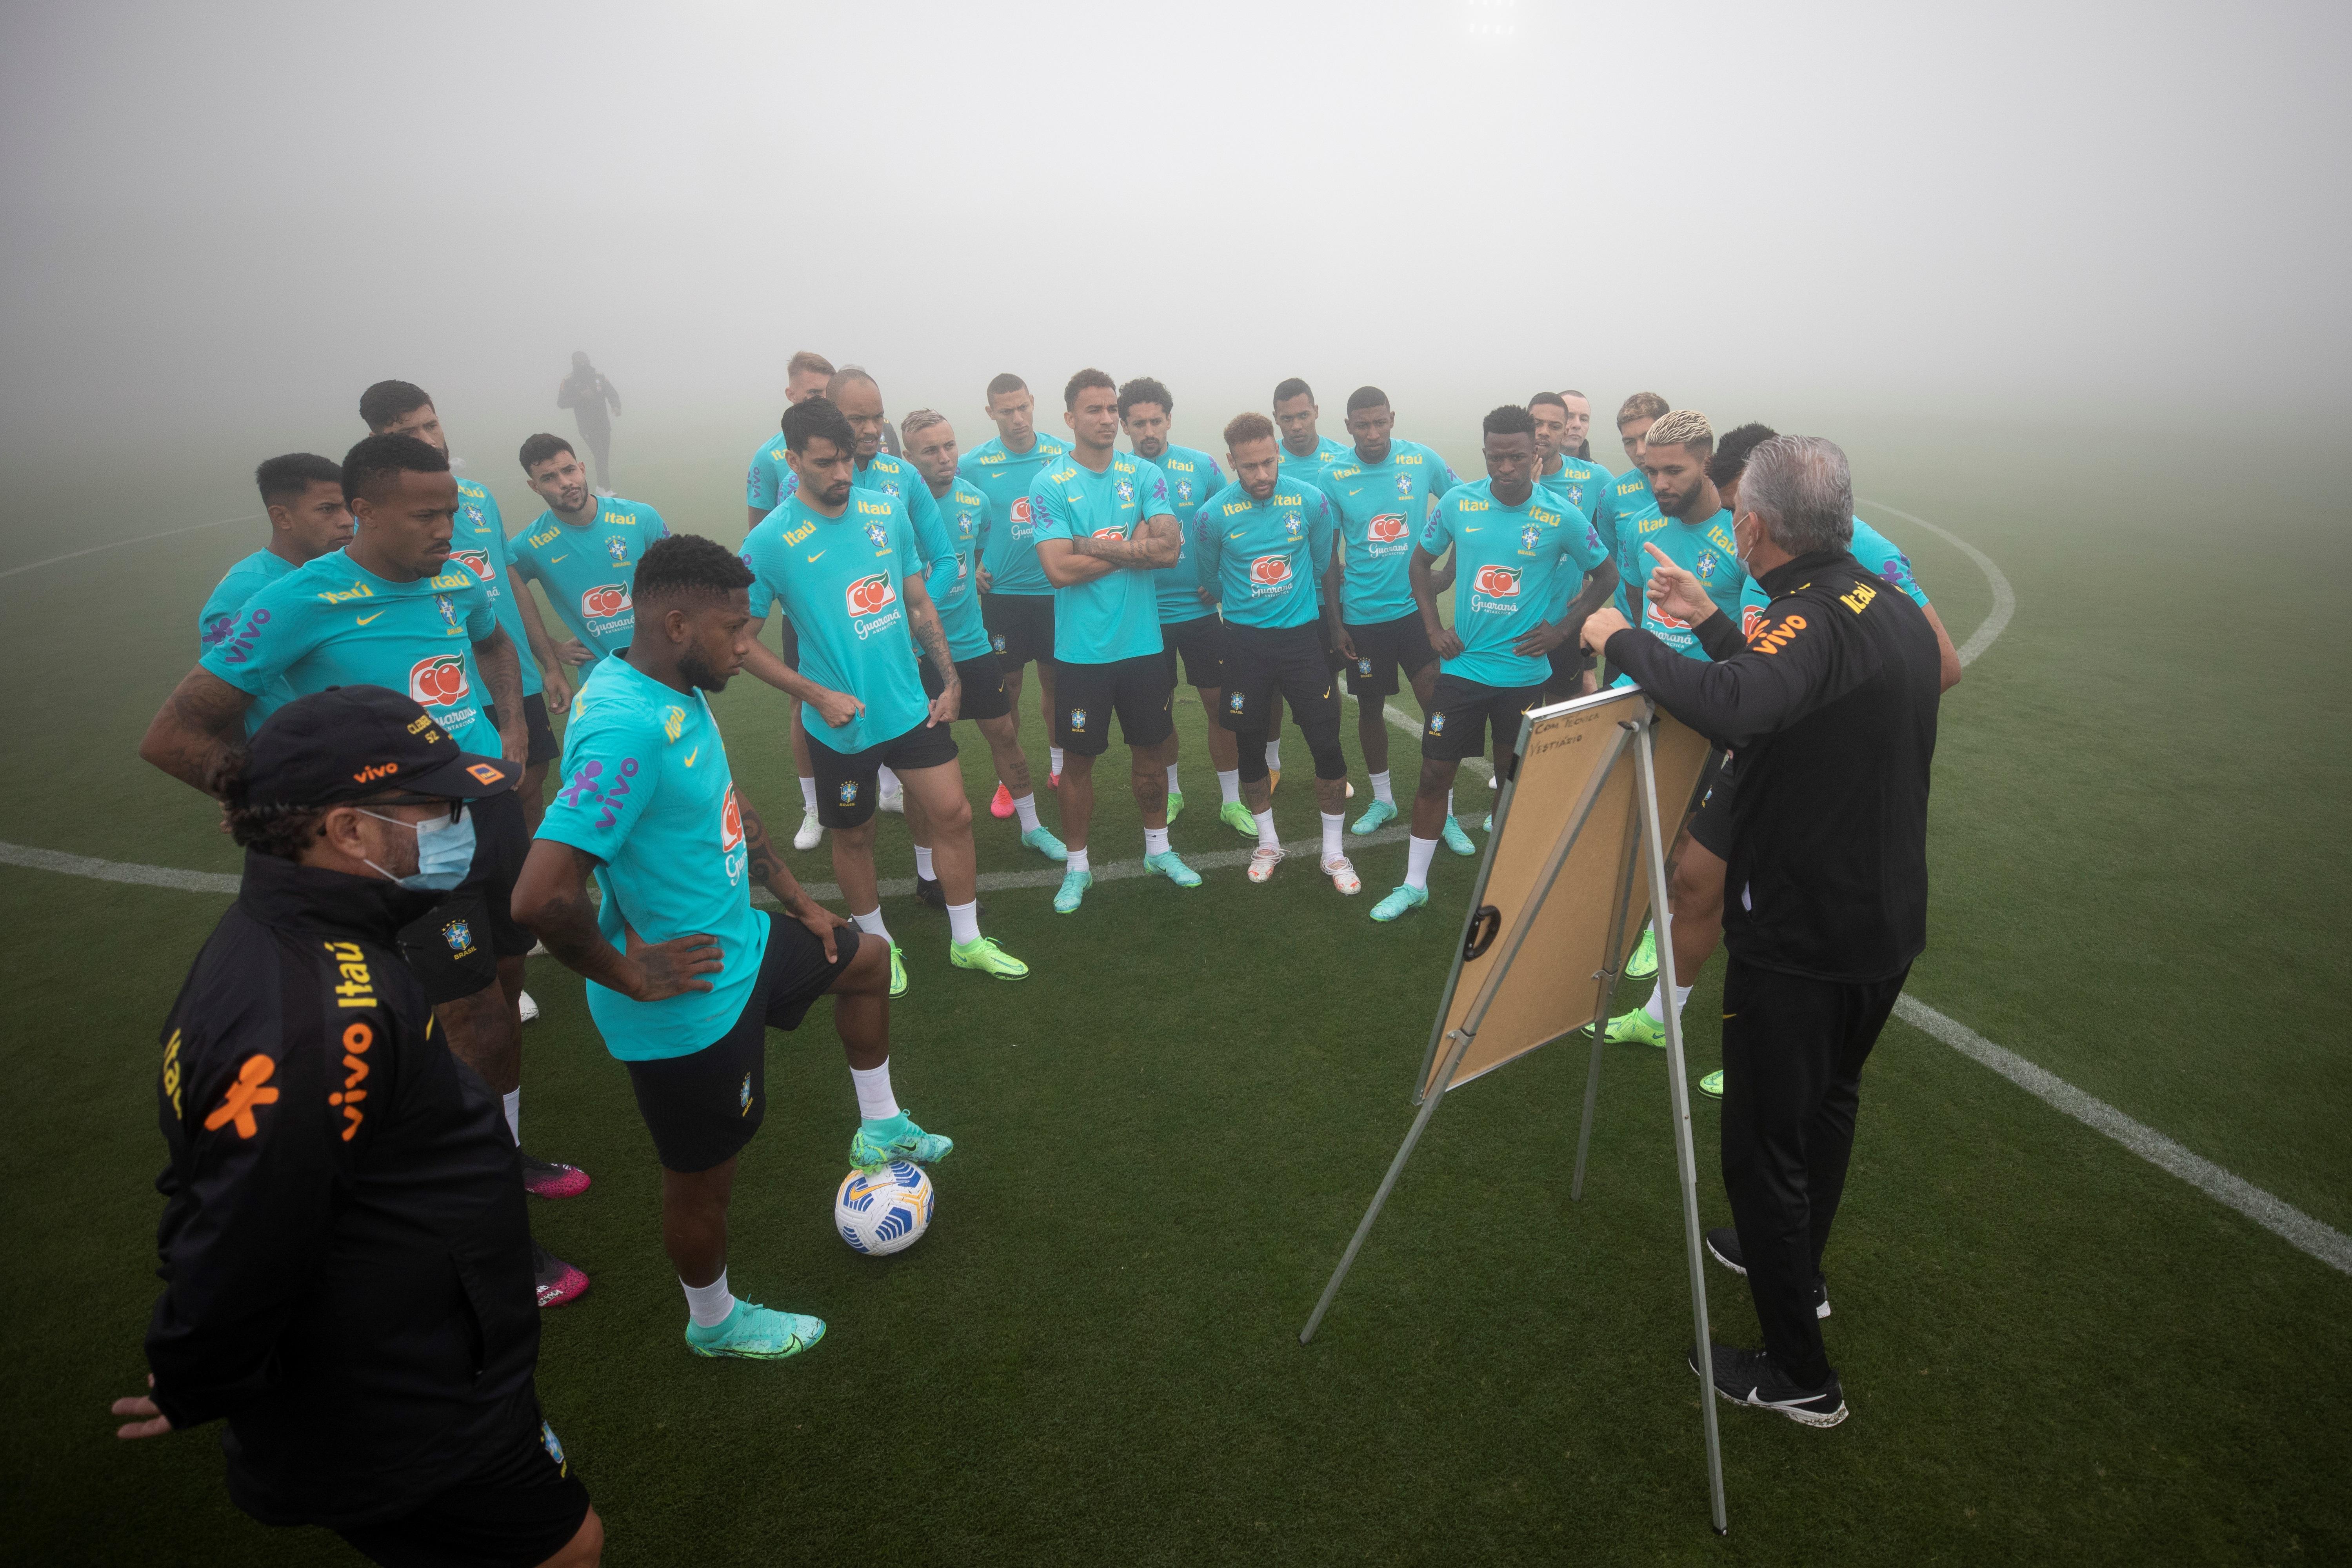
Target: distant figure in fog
(586,392)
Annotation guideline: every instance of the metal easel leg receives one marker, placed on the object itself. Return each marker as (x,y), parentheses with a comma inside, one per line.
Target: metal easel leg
(1678,1092)
(1388,1183)
(1628,870)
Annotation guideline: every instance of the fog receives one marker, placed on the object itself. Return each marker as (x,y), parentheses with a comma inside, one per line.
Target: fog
(223,222)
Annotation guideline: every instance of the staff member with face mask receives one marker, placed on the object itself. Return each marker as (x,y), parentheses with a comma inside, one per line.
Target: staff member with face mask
(347,1269)
(1830,706)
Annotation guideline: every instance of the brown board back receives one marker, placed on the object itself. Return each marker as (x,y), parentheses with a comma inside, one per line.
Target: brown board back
(1551,987)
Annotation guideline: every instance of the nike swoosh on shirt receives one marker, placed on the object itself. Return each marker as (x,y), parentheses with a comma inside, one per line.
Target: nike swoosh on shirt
(692,755)
(377,617)
(816,558)
(553,559)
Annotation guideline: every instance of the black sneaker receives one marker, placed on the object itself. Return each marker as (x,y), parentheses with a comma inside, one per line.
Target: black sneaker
(1723,1243)
(1751,1377)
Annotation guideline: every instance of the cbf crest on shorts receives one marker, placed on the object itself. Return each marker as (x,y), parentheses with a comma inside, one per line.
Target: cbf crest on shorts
(1233,699)
(460,936)
(1078,719)
(998,642)
(1437,723)
(849,792)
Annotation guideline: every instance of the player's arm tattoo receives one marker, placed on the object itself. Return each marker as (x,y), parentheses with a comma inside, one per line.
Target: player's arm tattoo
(767,865)
(924,616)
(552,899)
(1156,544)
(501,668)
(196,733)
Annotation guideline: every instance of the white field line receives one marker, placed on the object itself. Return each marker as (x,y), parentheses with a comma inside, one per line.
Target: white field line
(2280,1218)
(143,539)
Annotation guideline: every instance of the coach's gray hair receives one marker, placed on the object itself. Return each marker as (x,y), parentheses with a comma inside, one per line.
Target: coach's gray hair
(1800,488)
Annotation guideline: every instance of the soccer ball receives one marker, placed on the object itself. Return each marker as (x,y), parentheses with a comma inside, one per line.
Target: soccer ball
(883,1211)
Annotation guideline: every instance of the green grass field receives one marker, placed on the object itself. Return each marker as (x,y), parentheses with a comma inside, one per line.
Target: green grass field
(2053,1351)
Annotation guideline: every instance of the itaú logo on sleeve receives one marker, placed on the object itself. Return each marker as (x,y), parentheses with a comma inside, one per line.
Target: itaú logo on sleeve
(472,561)
(871,594)
(1270,574)
(605,601)
(439,680)
(1498,582)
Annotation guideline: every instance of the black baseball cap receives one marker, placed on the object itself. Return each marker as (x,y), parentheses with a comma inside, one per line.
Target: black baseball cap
(351,741)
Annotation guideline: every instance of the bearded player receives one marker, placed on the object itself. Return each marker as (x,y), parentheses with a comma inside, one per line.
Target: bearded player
(806,375)
(1016,601)
(685,978)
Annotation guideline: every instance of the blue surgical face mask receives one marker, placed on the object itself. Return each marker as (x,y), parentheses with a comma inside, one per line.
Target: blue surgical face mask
(445,851)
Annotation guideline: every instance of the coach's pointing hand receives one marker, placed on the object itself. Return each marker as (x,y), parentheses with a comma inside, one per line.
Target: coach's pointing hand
(1674,592)
(1599,626)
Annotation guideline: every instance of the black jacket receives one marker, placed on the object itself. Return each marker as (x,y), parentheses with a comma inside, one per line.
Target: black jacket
(1831,708)
(346,1263)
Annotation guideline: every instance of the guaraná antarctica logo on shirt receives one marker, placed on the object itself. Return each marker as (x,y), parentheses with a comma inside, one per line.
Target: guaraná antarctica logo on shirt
(605,601)
(474,561)
(1386,529)
(1498,582)
(871,602)
(439,680)
(1270,574)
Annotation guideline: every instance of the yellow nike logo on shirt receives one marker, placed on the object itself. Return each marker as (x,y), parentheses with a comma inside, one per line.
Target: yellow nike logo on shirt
(692,755)
(816,558)
(377,617)
(553,559)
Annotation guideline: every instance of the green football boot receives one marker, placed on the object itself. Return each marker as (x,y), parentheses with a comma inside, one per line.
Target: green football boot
(1711,1084)
(1236,815)
(1644,962)
(1377,816)
(1635,1028)
(1041,838)
(1168,864)
(754,1332)
(983,954)
(1457,840)
(1406,897)
(898,972)
(1074,889)
(877,1143)
(1175,806)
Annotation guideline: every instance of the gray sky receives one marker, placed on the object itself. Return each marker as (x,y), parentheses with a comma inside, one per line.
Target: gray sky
(222,221)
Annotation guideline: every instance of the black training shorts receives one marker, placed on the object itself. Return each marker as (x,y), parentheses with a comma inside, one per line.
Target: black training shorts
(521,1508)
(1710,825)
(1569,663)
(1020,626)
(845,781)
(1262,660)
(1384,647)
(544,747)
(1201,642)
(984,686)
(702,1108)
(1461,712)
(1140,690)
(454,947)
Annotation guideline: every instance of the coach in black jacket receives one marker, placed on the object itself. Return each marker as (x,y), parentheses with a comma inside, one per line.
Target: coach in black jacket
(346,1264)
(1831,708)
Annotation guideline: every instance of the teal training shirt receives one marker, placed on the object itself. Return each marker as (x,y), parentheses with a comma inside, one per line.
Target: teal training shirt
(589,569)
(1192,477)
(954,578)
(895,478)
(647,790)
(1304,470)
(764,486)
(218,619)
(1704,549)
(1116,615)
(335,623)
(1507,561)
(1264,557)
(1873,549)
(1380,508)
(842,581)
(478,541)
(1010,550)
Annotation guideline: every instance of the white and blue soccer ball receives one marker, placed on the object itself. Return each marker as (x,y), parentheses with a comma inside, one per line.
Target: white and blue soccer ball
(885,1210)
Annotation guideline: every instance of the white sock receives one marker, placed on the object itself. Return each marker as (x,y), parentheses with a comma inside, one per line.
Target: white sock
(1682,994)
(1332,823)
(808,794)
(1273,755)
(963,923)
(871,922)
(1449,803)
(1155,841)
(512,1100)
(1026,807)
(708,1305)
(1266,836)
(923,863)
(875,1101)
(1076,862)
(887,781)
(1229,783)
(1418,853)
(1055,753)
(1174,787)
